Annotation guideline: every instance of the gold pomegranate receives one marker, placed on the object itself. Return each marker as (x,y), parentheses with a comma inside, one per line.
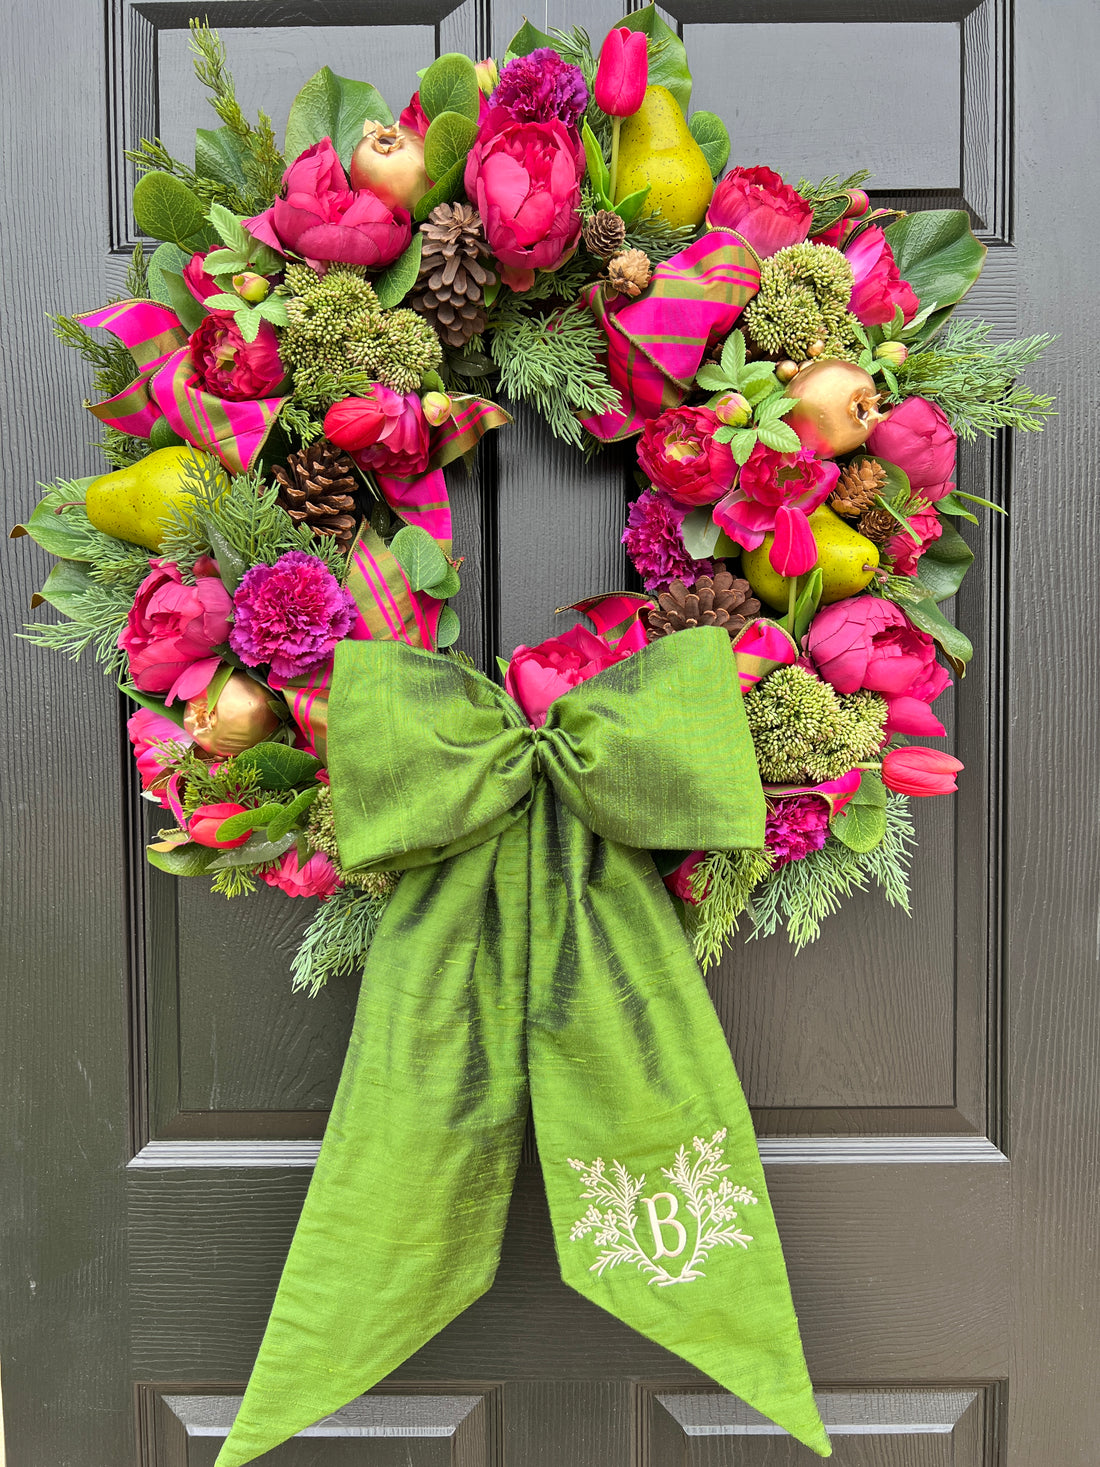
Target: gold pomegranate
(242,716)
(390,162)
(838,405)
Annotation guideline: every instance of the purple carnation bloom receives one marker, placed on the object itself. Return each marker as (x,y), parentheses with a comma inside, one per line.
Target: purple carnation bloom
(796,826)
(540,87)
(654,543)
(290,615)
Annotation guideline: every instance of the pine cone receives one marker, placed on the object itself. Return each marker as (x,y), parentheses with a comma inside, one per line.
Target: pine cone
(878,525)
(317,488)
(604,233)
(450,292)
(858,487)
(629,272)
(710,601)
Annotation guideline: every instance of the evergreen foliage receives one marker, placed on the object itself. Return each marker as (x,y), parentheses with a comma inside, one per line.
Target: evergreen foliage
(338,939)
(722,885)
(553,363)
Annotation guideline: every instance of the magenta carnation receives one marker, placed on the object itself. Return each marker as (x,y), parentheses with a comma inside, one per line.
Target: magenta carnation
(654,543)
(795,827)
(290,615)
(317,878)
(540,87)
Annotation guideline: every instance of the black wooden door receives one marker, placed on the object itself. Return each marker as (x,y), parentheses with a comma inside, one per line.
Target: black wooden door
(926,1089)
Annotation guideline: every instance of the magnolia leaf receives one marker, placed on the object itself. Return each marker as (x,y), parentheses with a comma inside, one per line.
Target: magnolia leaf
(710,132)
(450,85)
(447,631)
(279,766)
(668,63)
(441,192)
(60,532)
(629,208)
(927,616)
(165,208)
(395,282)
(733,356)
(742,444)
(699,533)
(859,827)
(937,253)
(527,39)
(154,705)
(334,107)
(419,556)
(448,140)
(713,379)
(598,175)
(187,860)
(944,564)
(779,436)
(254,852)
(290,816)
(66,585)
(220,154)
(446,588)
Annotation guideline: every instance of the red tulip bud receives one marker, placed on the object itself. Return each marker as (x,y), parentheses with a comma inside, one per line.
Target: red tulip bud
(794,549)
(919,771)
(623,72)
(203,825)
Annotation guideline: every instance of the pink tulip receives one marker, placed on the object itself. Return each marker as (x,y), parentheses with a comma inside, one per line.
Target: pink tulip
(794,549)
(203,825)
(918,771)
(623,72)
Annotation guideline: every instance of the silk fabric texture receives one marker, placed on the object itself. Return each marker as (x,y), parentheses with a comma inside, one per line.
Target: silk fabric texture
(530,957)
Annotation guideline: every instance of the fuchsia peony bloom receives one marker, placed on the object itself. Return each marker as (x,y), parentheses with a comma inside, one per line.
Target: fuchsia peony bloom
(878,287)
(868,642)
(755,203)
(769,479)
(679,881)
(917,436)
(198,282)
(317,878)
(622,73)
(679,453)
(147,729)
(325,221)
(538,675)
(525,180)
(173,629)
(541,87)
(917,771)
(385,430)
(903,550)
(290,615)
(228,366)
(202,826)
(796,825)
(654,543)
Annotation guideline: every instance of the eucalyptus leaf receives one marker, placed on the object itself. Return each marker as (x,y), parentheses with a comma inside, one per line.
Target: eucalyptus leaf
(450,85)
(61,533)
(446,588)
(937,253)
(527,39)
(447,631)
(66,586)
(871,790)
(419,556)
(186,860)
(859,827)
(253,853)
(944,564)
(166,258)
(279,766)
(699,532)
(165,208)
(448,140)
(442,191)
(395,282)
(220,154)
(668,63)
(710,132)
(334,107)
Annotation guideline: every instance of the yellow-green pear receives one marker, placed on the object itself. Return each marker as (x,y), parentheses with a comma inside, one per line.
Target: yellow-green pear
(656,147)
(847,561)
(132,502)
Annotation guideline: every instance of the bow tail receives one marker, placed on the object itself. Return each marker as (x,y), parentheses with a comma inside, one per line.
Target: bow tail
(402,1225)
(657,1195)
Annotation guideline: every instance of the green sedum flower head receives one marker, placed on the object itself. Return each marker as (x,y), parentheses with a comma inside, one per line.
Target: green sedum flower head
(803,298)
(806,733)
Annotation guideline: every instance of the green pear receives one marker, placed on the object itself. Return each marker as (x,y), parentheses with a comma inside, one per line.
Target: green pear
(847,561)
(656,148)
(131,503)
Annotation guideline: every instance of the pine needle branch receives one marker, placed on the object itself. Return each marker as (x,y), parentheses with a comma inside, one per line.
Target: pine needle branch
(553,363)
(722,885)
(151,154)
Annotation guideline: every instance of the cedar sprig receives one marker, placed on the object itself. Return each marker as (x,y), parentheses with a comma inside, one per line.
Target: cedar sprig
(338,939)
(151,155)
(263,163)
(722,885)
(553,363)
(96,620)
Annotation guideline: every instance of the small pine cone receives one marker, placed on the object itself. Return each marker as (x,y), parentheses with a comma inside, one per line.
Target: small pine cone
(450,291)
(878,525)
(603,233)
(858,487)
(720,600)
(317,487)
(629,272)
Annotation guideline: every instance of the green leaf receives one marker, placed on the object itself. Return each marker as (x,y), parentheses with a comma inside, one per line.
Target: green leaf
(272,309)
(247,821)
(220,154)
(927,616)
(448,140)
(395,282)
(699,532)
(944,564)
(61,533)
(447,631)
(871,790)
(937,253)
(710,132)
(758,389)
(668,63)
(66,585)
(805,608)
(224,302)
(166,208)
(248,322)
(629,208)
(779,436)
(225,262)
(335,107)
(713,379)
(442,191)
(419,556)
(155,705)
(166,258)
(755,372)
(859,827)
(186,307)
(291,816)
(527,39)
(733,356)
(973,499)
(450,85)
(446,588)
(743,444)
(773,408)
(185,860)
(598,175)
(255,852)
(279,766)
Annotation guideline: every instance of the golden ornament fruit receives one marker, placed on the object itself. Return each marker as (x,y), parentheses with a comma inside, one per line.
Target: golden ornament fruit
(390,162)
(846,559)
(837,406)
(131,503)
(243,715)
(657,148)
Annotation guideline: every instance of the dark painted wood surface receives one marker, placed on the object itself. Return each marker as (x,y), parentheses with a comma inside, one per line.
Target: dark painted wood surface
(948,1294)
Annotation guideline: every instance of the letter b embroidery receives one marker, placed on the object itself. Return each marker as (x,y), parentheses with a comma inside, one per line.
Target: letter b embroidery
(657,1224)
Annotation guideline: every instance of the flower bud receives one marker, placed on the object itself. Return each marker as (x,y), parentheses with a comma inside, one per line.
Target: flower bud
(733,409)
(437,407)
(251,287)
(203,825)
(242,716)
(622,72)
(893,353)
(487,75)
(913,770)
(794,550)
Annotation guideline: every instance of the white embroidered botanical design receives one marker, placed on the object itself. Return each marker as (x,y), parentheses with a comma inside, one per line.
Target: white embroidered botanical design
(625,1236)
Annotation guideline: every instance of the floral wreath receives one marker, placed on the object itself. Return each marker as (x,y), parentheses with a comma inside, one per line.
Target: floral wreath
(305,340)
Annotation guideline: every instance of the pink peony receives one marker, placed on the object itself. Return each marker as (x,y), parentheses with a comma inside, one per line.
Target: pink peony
(903,550)
(679,881)
(317,878)
(290,615)
(654,543)
(680,454)
(538,675)
(541,87)
(198,282)
(228,366)
(917,436)
(415,117)
(868,642)
(756,204)
(385,430)
(147,730)
(322,219)
(202,826)
(525,180)
(917,771)
(768,480)
(796,826)
(173,629)
(878,287)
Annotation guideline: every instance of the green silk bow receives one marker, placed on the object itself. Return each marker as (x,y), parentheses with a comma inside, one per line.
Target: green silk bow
(530,956)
